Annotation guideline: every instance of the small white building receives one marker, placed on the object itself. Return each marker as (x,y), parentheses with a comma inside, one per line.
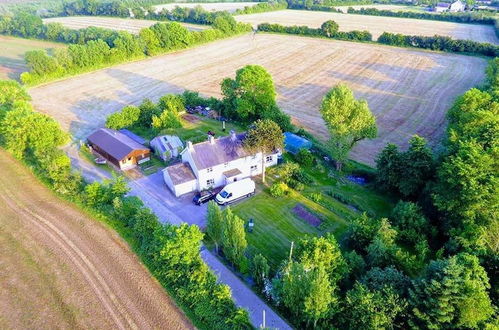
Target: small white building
(167,146)
(457,6)
(441,7)
(214,163)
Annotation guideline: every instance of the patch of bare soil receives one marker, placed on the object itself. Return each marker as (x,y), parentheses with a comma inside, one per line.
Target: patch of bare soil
(59,268)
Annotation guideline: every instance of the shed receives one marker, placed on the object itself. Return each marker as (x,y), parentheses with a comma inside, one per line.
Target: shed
(293,143)
(118,148)
(180,179)
(167,146)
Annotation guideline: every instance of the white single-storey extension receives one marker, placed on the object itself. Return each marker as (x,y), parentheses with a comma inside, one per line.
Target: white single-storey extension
(214,163)
(167,146)
(457,6)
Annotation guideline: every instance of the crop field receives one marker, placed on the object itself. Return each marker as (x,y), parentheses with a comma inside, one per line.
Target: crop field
(120,24)
(375,24)
(210,6)
(12,52)
(409,91)
(62,269)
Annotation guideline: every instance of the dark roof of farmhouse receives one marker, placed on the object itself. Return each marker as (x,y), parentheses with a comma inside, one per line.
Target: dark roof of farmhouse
(116,144)
(222,150)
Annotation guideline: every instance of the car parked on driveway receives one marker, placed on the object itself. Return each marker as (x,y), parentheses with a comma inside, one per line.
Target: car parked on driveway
(205,196)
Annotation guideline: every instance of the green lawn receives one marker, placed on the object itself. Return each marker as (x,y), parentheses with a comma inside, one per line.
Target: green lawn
(276,226)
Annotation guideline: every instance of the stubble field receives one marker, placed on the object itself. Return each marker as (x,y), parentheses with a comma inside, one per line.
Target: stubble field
(113,23)
(61,269)
(12,52)
(375,24)
(409,91)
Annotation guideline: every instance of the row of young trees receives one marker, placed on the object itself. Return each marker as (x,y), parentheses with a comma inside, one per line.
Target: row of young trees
(101,47)
(263,7)
(329,29)
(441,43)
(172,253)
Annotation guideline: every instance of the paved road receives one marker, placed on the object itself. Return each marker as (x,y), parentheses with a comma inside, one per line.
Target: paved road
(170,209)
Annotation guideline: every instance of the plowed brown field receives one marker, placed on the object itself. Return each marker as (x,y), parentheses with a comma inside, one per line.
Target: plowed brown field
(120,24)
(60,269)
(375,24)
(409,91)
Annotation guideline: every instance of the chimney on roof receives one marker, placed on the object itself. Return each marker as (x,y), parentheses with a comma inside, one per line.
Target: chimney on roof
(211,138)
(189,146)
(233,136)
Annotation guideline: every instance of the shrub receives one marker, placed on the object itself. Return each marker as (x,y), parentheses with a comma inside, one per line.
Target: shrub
(279,189)
(315,197)
(304,157)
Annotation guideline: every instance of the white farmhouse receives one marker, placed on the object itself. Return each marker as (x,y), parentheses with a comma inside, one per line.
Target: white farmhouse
(441,7)
(214,163)
(457,6)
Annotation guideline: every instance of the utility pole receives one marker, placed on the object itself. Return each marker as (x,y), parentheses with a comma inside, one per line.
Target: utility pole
(291,251)
(264,326)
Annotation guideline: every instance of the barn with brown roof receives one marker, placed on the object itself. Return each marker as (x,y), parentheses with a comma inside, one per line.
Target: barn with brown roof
(118,149)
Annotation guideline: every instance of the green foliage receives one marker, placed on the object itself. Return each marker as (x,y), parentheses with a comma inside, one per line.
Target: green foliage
(348,121)
(452,293)
(411,224)
(234,237)
(127,117)
(371,309)
(405,172)
(329,28)
(10,92)
(361,231)
(260,270)
(215,223)
(262,7)
(278,189)
(304,157)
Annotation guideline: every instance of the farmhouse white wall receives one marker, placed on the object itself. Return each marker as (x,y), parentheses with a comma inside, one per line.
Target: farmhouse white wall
(179,189)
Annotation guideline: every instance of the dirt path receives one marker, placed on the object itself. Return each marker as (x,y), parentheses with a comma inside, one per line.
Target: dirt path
(61,269)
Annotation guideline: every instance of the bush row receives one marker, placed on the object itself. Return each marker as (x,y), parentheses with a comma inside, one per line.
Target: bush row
(305,30)
(440,43)
(263,7)
(471,17)
(172,253)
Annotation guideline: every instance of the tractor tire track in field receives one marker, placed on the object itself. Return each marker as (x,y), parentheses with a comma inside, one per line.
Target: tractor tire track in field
(127,296)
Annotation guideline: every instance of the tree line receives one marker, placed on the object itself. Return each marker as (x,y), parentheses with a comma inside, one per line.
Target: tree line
(329,29)
(172,253)
(262,7)
(102,47)
(468,17)
(441,43)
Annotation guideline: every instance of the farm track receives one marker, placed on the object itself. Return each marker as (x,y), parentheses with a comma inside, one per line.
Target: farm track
(96,281)
(375,24)
(409,91)
(120,24)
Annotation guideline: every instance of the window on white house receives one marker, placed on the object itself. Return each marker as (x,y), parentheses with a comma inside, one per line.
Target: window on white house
(226,164)
(210,182)
(253,157)
(268,159)
(209,169)
(254,167)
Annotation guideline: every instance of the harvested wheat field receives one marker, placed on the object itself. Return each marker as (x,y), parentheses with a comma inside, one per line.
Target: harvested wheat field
(409,91)
(375,24)
(120,24)
(61,269)
(12,52)
(209,6)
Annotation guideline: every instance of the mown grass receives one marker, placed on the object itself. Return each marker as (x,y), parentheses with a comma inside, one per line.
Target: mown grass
(276,226)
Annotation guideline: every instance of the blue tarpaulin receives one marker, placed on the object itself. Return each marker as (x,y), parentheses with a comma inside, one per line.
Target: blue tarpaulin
(293,143)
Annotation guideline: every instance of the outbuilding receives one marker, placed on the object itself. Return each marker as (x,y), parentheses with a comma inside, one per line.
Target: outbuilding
(293,143)
(118,149)
(167,146)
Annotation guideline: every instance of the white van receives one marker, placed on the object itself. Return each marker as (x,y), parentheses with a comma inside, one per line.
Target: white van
(235,191)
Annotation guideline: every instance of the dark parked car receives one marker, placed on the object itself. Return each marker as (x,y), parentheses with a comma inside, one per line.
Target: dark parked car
(205,196)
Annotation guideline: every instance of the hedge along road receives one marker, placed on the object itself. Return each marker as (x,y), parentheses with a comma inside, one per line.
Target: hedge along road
(60,268)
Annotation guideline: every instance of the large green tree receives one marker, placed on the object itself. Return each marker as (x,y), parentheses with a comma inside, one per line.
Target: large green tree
(348,121)
(215,223)
(251,95)
(264,137)
(234,237)
(451,294)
